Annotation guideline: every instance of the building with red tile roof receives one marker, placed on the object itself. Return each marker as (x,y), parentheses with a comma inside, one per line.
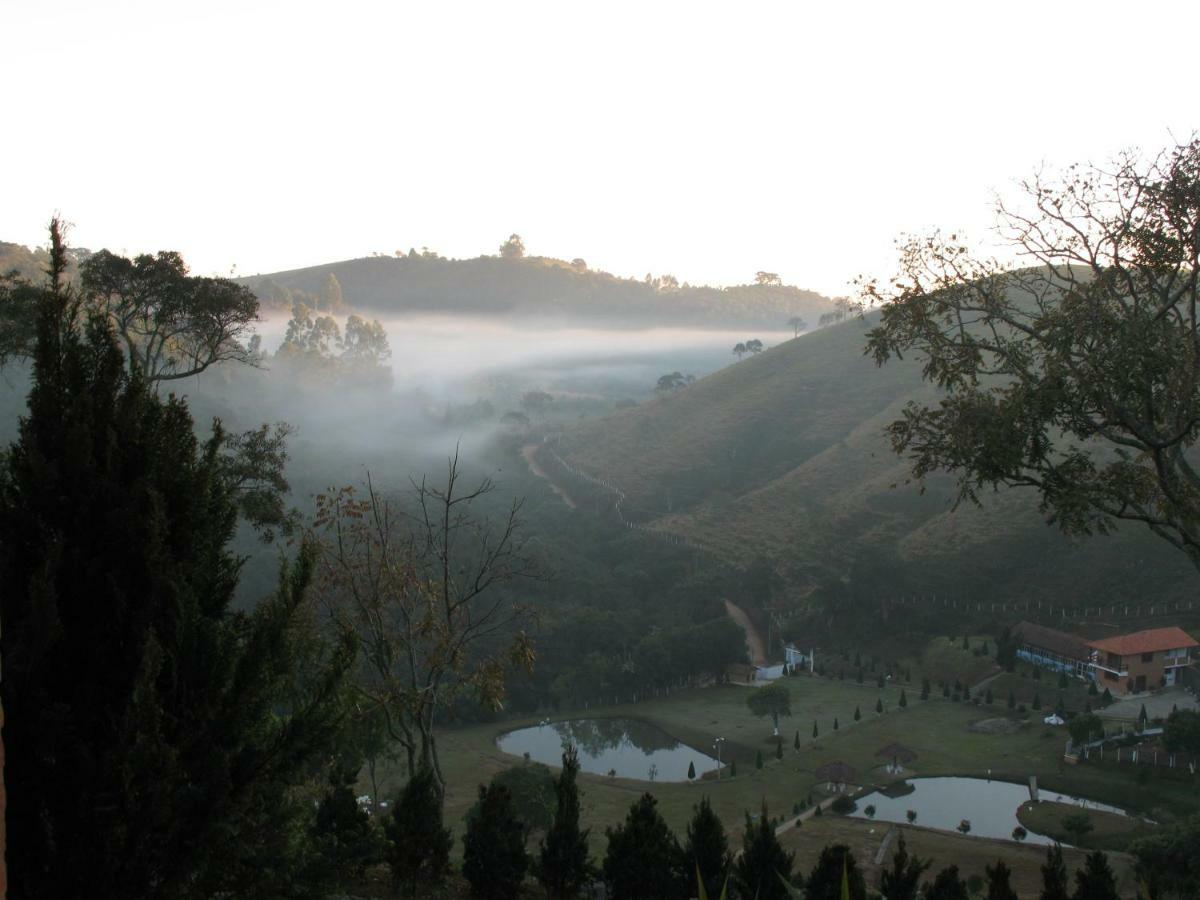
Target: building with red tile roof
(1144,660)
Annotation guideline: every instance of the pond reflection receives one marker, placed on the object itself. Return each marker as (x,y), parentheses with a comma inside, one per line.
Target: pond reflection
(989,806)
(629,747)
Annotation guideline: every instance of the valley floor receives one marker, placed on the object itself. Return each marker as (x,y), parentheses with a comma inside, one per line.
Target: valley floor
(945,735)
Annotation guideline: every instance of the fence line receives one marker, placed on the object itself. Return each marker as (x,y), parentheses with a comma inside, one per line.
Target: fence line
(671,537)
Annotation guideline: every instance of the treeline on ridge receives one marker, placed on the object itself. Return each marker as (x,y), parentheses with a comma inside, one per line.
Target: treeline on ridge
(536,286)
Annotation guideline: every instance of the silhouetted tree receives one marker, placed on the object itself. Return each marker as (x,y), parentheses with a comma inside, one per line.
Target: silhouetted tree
(644,860)
(903,880)
(1055,880)
(153,735)
(798,325)
(946,885)
(1093,340)
(825,880)
(1182,731)
(173,325)
(531,788)
(344,839)
(562,867)
(494,857)
(998,886)
(513,248)
(767,279)
(419,852)
(1095,881)
(672,381)
(763,862)
(707,849)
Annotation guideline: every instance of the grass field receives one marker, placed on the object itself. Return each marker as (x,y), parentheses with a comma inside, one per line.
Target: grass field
(941,733)
(1109,832)
(970,854)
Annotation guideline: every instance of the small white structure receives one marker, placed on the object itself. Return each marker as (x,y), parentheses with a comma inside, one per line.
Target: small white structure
(768,673)
(1054,719)
(797,659)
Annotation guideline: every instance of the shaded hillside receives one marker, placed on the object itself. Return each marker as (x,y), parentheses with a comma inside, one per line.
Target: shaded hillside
(783,456)
(541,287)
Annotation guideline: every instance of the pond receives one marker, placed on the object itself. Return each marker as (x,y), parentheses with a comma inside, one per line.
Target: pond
(990,806)
(629,747)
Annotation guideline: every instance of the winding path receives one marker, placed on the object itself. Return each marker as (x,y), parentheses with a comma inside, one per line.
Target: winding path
(529,452)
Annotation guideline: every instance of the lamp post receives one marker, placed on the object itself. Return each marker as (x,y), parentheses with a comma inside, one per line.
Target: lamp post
(717,745)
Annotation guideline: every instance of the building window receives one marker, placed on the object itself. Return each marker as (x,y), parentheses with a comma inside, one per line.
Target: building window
(1147,657)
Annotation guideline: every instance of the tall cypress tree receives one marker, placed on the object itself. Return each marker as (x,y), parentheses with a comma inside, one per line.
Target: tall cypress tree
(420,846)
(562,866)
(1095,881)
(494,857)
(152,733)
(644,860)
(707,848)
(344,838)
(1055,880)
(763,862)
(825,881)
(903,880)
(998,885)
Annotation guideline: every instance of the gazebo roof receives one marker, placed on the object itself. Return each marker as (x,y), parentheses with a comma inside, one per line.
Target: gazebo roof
(898,751)
(836,771)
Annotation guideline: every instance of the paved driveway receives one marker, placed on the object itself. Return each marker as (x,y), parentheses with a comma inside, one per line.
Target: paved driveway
(1157,705)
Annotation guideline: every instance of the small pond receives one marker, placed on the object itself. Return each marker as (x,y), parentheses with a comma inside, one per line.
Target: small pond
(990,806)
(631,748)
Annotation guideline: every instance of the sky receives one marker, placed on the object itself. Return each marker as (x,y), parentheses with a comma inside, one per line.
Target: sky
(704,140)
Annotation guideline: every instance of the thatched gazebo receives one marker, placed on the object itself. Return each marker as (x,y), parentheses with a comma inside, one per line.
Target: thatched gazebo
(898,756)
(836,774)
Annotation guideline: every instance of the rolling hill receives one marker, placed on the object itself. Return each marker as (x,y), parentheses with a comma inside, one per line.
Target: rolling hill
(783,457)
(538,287)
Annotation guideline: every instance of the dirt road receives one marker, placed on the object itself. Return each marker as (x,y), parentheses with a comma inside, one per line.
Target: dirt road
(529,451)
(754,642)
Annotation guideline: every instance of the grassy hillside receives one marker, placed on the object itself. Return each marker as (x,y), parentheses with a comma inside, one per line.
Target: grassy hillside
(783,456)
(542,287)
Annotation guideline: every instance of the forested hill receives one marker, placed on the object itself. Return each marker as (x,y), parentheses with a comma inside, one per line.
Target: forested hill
(537,287)
(783,456)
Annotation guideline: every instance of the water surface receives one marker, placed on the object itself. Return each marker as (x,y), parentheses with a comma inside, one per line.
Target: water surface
(629,747)
(990,806)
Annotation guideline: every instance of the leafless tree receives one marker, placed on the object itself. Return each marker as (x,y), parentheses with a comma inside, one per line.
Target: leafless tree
(420,591)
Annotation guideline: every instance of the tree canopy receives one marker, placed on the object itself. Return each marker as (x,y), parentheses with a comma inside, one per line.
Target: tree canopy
(154,736)
(774,700)
(1078,377)
(173,324)
(513,248)
(1182,731)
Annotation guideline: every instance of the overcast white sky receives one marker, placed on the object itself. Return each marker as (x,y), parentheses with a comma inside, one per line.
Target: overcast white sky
(703,140)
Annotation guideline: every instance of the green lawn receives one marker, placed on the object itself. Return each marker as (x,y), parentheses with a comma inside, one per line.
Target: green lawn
(970,854)
(939,731)
(1109,831)
(1025,688)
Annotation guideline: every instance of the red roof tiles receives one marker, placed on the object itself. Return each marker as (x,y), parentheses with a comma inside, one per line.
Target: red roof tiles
(1146,641)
